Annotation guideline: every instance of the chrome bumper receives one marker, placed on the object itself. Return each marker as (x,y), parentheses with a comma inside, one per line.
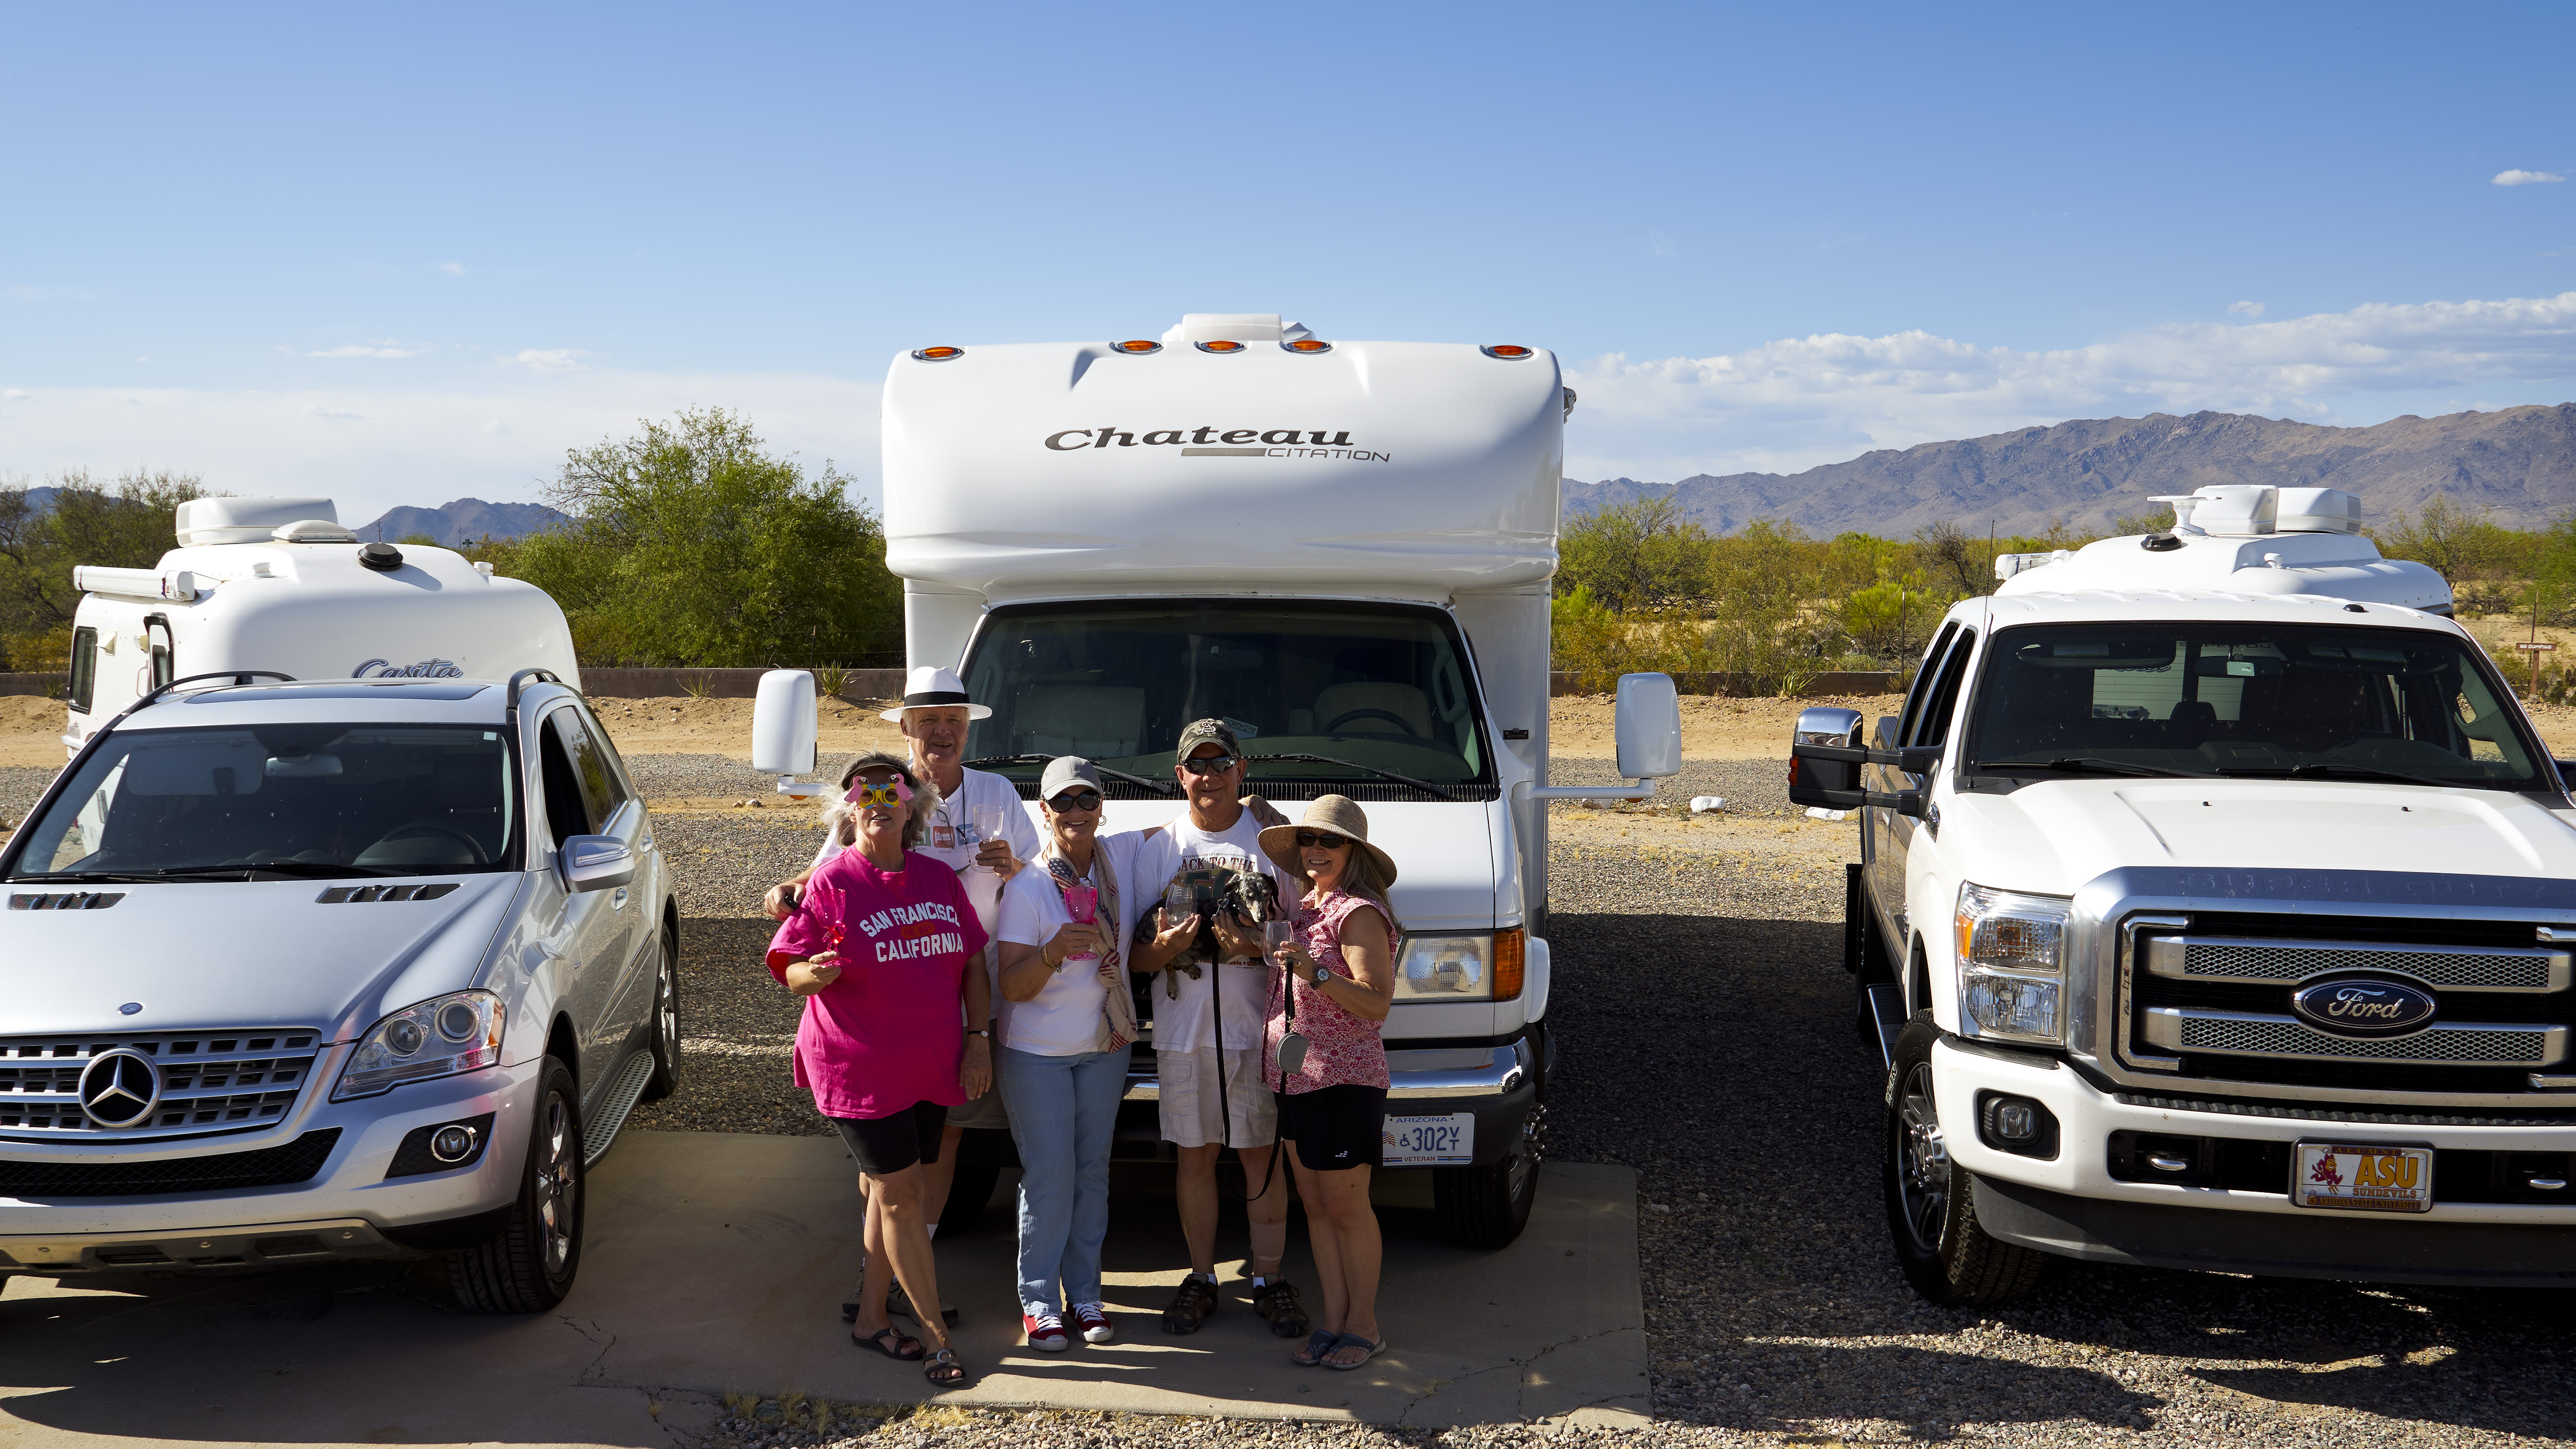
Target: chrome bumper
(262,1245)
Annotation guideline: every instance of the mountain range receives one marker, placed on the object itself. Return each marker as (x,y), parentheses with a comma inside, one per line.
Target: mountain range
(465,520)
(2517,465)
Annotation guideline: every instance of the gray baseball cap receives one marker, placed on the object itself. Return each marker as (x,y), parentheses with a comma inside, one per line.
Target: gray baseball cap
(1205,732)
(1064,772)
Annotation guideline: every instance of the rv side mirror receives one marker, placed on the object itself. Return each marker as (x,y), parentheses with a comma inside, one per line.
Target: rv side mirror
(783,723)
(1648,722)
(597,863)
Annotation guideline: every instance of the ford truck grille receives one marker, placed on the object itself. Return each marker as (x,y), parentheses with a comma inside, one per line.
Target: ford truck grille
(216,1081)
(2212,1001)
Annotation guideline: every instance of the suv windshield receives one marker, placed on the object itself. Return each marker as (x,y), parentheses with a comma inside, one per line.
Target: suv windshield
(320,800)
(2249,699)
(1380,687)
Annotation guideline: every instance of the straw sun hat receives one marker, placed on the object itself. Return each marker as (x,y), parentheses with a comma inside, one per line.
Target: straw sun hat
(1338,814)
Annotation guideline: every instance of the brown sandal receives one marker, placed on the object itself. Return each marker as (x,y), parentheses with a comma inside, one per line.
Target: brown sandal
(943,1370)
(897,1351)
(1191,1306)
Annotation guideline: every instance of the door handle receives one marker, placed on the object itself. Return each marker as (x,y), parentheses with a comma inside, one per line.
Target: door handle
(618,901)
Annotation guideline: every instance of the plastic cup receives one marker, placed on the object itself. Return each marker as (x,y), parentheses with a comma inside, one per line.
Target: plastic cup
(1082,902)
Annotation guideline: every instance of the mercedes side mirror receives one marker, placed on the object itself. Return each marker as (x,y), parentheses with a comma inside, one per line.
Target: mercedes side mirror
(597,862)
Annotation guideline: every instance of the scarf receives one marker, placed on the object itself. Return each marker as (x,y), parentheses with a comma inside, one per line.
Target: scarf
(1117,1010)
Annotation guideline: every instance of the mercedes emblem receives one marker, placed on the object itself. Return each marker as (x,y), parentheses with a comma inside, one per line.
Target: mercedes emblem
(129,1008)
(119,1088)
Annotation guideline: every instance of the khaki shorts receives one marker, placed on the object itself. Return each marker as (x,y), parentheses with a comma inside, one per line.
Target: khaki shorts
(1188,1087)
(984,1111)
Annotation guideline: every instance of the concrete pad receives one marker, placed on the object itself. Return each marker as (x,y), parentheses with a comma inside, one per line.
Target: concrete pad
(717,1262)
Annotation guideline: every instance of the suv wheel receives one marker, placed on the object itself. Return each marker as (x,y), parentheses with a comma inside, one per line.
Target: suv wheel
(1487,1206)
(528,1266)
(1931,1207)
(664,1043)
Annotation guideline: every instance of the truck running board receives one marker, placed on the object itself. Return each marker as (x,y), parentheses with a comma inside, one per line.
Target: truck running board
(1882,1017)
(602,1131)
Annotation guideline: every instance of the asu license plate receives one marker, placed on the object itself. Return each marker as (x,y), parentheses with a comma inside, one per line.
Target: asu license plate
(2369,1176)
(1444,1141)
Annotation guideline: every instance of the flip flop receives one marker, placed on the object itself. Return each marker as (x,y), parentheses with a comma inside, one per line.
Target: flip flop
(944,1371)
(1318,1344)
(877,1342)
(1353,1340)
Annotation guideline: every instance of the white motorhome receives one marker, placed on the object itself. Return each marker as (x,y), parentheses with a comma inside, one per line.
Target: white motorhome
(2216,910)
(1344,549)
(366,963)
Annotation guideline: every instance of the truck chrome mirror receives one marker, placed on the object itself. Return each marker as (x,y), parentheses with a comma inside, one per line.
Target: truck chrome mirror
(1810,780)
(597,863)
(783,728)
(1648,723)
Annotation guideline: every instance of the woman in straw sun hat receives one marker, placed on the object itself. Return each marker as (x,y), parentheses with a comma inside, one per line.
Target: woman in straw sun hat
(1335,984)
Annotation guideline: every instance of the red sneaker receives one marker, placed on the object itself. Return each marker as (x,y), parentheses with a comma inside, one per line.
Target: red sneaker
(1093,1322)
(1046,1332)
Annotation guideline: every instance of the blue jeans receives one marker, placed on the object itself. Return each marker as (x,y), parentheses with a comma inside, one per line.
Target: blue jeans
(1062,1112)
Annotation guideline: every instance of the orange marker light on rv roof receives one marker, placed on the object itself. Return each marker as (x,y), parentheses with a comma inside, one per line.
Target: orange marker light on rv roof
(1307,344)
(1220,346)
(1137,345)
(937,354)
(1508,352)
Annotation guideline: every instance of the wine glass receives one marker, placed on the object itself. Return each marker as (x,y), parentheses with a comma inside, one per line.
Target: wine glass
(1178,900)
(1276,936)
(988,821)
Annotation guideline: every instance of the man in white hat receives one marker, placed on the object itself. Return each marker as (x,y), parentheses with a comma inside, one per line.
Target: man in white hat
(934,717)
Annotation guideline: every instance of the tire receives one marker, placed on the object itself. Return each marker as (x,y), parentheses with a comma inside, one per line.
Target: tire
(1931,1205)
(969,1193)
(529,1265)
(1487,1206)
(663,1039)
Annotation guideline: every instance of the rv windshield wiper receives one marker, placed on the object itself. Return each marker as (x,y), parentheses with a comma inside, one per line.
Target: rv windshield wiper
(2351,772)
(2086,766)
(1166,787)
(1434,791)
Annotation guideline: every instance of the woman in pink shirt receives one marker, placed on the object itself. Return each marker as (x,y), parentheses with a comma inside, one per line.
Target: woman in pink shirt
(879,947)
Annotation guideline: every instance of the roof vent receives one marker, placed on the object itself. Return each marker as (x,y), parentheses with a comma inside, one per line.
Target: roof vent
(246,520)
(1234,327)
(2256,508)
(384,558)
(313,530)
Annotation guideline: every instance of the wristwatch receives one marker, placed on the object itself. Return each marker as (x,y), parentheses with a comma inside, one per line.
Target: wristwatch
(982,1031)
(1323,973)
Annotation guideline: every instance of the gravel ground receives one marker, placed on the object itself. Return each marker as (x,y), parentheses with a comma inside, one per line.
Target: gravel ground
(19,789)
(1708,1043)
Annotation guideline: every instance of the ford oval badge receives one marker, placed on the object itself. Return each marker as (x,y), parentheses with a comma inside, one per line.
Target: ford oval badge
(2365,1007)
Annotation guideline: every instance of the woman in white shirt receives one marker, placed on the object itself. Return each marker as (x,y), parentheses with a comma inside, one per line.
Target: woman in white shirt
(1066,1028)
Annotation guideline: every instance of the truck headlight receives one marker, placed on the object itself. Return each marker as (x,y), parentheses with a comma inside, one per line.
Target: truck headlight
(1464,966)
(440,1037)
(2012,965)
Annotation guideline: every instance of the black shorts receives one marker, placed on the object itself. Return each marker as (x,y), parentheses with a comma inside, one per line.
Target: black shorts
(892,1143)
(1334,1127)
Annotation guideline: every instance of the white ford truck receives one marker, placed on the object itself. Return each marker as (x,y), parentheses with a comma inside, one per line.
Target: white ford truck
(342,934)
(1343,549)
(2216,911)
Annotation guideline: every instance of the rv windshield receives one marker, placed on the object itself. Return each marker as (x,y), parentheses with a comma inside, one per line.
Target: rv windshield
(281,801)
(2255,700)
(1383,689)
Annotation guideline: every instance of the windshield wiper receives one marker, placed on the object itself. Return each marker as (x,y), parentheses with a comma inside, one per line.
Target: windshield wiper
(306,869)
(2351,772)
(2087,766)
(1167,788)
(1434,791)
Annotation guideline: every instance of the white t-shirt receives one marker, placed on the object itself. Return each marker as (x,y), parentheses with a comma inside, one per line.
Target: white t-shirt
(1063,1019)
(1181,1024)
(949,837)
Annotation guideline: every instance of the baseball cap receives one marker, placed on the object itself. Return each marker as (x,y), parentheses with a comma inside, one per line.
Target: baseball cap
(1064,772)
(1204,732)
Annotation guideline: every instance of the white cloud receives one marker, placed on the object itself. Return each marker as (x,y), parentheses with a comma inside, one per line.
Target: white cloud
(453,269)
(382,347)
(2525,178)
(14,394)
(372,448)
(1795,403)
(558,359)
(2245,309)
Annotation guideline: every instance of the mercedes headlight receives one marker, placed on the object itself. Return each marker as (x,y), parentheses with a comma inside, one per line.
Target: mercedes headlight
(1464,966)
(2012,965)
(440,1037)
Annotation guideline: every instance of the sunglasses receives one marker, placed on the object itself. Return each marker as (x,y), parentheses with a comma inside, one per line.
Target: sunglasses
(1212,764)
(1311,839)
(1075,800)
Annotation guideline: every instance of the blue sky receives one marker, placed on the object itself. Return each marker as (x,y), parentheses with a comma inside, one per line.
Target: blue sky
(400,257)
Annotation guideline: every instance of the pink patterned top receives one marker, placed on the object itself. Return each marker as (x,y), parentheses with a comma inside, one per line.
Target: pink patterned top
(1341,1049)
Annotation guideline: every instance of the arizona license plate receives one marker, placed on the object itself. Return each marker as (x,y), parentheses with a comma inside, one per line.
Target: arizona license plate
(2370,1176)
(1443,1141)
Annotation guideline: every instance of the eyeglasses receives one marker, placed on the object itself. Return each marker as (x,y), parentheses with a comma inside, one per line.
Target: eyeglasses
(890,794)
(1310,839)
(1211,764)
(1075,800)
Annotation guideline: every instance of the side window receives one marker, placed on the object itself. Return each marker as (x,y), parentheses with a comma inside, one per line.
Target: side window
(567,814)
(1925,680)
(84,668)
(1932,725)
(618,780)
(156,633)
(600,792)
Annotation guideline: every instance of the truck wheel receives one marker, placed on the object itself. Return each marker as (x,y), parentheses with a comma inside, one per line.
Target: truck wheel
(665,1041)
(528,1266)
(969,1193)
(1487,1206)
(1932,1212)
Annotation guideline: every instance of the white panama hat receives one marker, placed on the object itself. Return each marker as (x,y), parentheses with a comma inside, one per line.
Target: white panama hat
(931,686)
